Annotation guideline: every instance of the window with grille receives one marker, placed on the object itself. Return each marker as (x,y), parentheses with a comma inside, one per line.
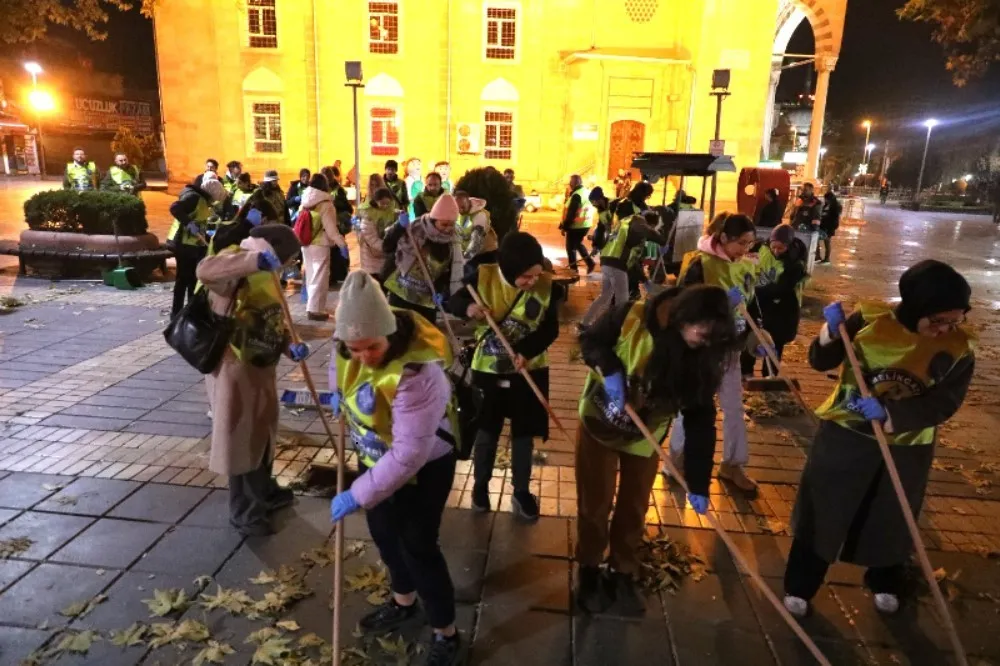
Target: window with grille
(384,131)
(266,118)
(499,135)
(383,27)
(262,24)
(501,33)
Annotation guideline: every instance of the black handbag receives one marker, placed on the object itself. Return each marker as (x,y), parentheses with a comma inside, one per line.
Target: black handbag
(199,335)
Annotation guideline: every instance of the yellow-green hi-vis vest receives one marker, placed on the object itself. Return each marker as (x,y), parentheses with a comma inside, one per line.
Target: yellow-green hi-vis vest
(120,175)
(259,336)
(897,364)
(720,272)
(528,313)
(770,268)
(368,392)
(584,213)
(412,287)
(465,227)
(618,242)
(201,215)
(82,176)
(602,419)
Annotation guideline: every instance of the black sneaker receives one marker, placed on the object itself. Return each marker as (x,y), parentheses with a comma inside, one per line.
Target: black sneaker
(525,506)
(445,651)
(628,596)
(259,528)
(481,498)
(388,617)
(592,590)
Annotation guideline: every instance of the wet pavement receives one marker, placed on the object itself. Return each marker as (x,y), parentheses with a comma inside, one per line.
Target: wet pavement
(104,446)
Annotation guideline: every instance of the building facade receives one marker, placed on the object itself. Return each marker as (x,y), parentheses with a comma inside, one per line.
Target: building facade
(546,87)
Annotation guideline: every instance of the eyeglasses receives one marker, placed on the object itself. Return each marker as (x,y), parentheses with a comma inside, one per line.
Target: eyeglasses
(948,324)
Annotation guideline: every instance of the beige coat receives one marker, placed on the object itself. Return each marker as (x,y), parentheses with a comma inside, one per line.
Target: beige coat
(243,398)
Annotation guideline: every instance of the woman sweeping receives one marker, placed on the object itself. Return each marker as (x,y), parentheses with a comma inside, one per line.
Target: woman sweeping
(523,300)
(436,239)
(919,362)
(387,376)
(374,219)
(317,201)
(661,356)
(720,261)
(242,390)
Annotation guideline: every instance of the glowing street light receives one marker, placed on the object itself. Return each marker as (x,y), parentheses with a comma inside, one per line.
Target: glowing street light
(868,151)
(930,124)
(34,69)
(41,101)
(822,152)
(868,136)
(968,177)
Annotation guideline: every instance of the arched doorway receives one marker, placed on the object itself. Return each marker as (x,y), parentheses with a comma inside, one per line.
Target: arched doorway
(627,138)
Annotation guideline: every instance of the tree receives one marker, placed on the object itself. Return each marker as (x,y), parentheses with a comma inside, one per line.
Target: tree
(28,20)
(138,149)
(969,31)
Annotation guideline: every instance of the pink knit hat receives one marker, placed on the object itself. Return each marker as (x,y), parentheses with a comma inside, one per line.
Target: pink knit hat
(445,208)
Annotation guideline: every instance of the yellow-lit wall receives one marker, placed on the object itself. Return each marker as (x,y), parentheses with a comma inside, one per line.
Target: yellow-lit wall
(207,74)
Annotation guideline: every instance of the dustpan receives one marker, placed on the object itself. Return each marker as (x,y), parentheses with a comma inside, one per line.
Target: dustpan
(122,277)
(771,384)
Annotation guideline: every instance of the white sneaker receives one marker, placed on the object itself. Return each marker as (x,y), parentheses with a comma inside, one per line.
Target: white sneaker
(797,606)
(886,603)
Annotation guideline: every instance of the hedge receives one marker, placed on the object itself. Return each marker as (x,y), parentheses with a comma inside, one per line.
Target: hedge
(86,212)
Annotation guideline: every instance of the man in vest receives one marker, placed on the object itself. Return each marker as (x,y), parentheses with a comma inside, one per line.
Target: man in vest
(576,223)
(80,175)
(479,240)
(233,171)
(123,177)
(395,185)
(188,235)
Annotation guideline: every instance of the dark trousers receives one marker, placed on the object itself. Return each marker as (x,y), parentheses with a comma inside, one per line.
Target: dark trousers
(485,456)
(405,528)
(748,361)
(187,257)
(250,495)
(574,244)
(806,570)
(430,314)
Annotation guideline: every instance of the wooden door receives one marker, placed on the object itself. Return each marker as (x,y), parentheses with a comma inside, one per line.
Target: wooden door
(627,138)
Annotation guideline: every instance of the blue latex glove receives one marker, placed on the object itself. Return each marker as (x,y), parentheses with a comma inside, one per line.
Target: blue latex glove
(193,228)
(870,408)
(699,503)
(297,200)
(299,351)
(614,386)
(355,222)
(268,261)
(254,217)
(439,300)
(342,506)
(345,253)
(331,400)
(403,220)
(834,315)
(735,297)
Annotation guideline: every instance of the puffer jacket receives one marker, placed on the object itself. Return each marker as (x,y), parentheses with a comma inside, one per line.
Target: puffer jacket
(320,203)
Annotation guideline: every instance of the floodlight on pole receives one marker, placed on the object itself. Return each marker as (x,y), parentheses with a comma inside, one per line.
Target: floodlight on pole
(34,69)
(355,78)
(930,124)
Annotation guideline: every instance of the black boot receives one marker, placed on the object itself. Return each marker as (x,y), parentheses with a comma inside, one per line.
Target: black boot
(592,590)
(628,596)
(481,498)
(484,455)
(445,651)
(388,617)
(525,506)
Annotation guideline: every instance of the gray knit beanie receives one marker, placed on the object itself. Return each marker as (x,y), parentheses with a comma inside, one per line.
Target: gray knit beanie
(362,311)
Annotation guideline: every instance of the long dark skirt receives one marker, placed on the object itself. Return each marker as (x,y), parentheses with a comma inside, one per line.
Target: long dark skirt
(846,505)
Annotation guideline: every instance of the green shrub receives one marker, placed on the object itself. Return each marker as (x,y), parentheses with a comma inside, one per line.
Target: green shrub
(488,183)
(86,212)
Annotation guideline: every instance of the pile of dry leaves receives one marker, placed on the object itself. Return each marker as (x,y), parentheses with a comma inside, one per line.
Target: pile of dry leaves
(666,562)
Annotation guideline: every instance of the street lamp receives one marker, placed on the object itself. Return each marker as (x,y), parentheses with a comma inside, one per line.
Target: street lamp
(868,151)
(868,135)
(34,69)
(930,124)
(352,69)
(40,101)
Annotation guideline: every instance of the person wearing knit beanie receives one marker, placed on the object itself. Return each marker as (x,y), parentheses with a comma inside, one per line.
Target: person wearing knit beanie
(918,362)
(445,208)
(784,234)
(389,386)
(524,301)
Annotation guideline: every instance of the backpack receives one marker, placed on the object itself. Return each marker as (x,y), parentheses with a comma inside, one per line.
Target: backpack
(303,227)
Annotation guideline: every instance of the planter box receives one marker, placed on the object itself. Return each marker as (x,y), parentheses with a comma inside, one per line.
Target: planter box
(72,255)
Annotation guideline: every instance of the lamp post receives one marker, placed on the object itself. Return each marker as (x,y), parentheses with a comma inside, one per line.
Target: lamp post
(720,91)
(868,135)
(352,69)
(38,101)
(930,123)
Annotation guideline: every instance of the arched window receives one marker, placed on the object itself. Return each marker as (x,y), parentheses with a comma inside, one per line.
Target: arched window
(263,91)
(385,116)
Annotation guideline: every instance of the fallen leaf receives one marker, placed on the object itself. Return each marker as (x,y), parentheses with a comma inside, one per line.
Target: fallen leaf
(288,625)
(78,642)
(262,635)
(202,581)
(940,574)
(233,600)
(214,653)
(394,648)
(165,602)
(272,652)
(311,640)
(129,637)
(14,547)
(80,609)
(264,578)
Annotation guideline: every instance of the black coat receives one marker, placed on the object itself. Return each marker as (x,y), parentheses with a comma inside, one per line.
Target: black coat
(830,219)
(770,214)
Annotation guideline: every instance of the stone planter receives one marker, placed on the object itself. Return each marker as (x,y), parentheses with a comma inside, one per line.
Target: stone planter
(67,255)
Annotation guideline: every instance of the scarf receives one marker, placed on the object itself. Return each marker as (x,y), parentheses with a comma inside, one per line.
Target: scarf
(423,231)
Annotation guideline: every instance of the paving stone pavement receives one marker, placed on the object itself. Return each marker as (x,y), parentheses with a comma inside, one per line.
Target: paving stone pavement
(103,465)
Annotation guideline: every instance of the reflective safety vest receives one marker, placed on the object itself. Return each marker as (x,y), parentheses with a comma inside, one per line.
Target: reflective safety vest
(201,215)
(368,392)
(524,319)
(726,274)
(599,415)
(412,287)
(465,227)
(382,218)
(259,336)
(129,174)
(82,177)
(230,183)
(898,364)
(617,237)
(430,199)
(584,213)
(770,268)
(240,197)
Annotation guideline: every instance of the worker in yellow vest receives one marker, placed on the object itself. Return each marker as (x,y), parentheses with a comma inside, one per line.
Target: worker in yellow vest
(479,239)
(81,175)
(433,189)
(123,177)
(187,237)
(242,390)
(524,301)
(721,261)
(918,360)
(661,356)
(576,223)
(387,374)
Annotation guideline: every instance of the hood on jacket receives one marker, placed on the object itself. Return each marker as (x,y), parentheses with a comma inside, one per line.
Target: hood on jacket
(476,205)
(710,245)
(311,197)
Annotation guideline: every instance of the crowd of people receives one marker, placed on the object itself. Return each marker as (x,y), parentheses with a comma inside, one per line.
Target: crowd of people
(430,253)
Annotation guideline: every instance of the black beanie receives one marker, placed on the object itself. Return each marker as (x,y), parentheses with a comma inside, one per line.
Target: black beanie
(596,194)
(284,241)
(519,251)
(928,288)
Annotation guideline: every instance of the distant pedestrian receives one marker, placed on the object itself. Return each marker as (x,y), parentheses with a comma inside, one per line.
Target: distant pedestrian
(396,185)
(433,189)
(576,224)
(808,210)
(293,199)
(123,177)
(233,171)
(242,390)
(212,167)
(271,191)
(769,215)
(316,256)
(81,174)
(187,237)
(623,184)
(375,217)
(829,222)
